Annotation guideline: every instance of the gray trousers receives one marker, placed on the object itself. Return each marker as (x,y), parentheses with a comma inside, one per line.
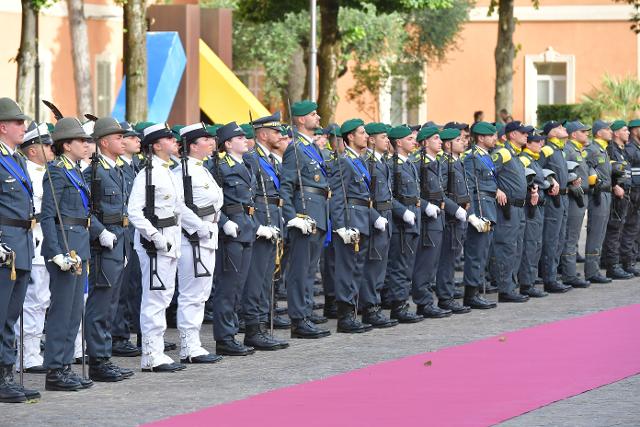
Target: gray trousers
(476,256)
(451,248)
(531,248)
(631,229)
(597,218)
(232,267)
(615,227)
(400,266)
(375,269)
(12,294)
(328,268)
(553,234)
(349,268)
(575,219)
(65,315)
(425,267)
(256,296)
(507,248)
(304,254)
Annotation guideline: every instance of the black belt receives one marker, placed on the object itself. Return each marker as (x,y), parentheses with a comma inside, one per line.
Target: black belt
(27,224)
(462,200)
(204,211)
(270,200)
(491,194)
(387,205)
(166,222)
(436,195)
(238,208)
(562,192)
(359,202)
(518,203)
(115,219)
(409,201)
(67,220)
(315,190)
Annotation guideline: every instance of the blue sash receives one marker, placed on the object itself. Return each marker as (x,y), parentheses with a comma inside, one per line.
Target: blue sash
(80,187)
(312,153)
(357,163)
(486,160)
(268,168)
(18,173)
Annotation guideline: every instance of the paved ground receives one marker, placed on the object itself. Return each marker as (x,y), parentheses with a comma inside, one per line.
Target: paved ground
(147,397)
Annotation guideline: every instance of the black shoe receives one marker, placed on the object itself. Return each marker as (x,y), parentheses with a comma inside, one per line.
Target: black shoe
(330,310)
(78,360)
(538,281)
(124,348)
(166,367)
(631,269)
(9,394)
(473,299)
(458,293)
(231,347)
(489,288)
(168,346)
(373,316)
(599,278)
(12,392)
(304,328)
(280,310)
(577,283)
(125,372)
(512,297)
(280,322)
(556,288)
(400,312)
(57,381)
(454,306)
(532,291)
(241,325)
(99,371)
(29,393)
(38,369)
(431,312)
(84,382)
(264,328)
(318,319)
(257,338)
(617,273)
(348,323)
(208,317)
(318,305)
(203,358)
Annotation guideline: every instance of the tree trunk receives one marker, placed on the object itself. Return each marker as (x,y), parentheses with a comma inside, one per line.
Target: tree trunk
(504,55)
(328,60)
(81,56)
(136,59)
(26,59)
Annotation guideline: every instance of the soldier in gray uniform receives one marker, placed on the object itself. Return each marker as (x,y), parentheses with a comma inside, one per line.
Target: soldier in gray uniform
(456,203)
(304,189)
(621,184)
(109,247)
(16,244)
(511,196)
(258,295)
(483,189)
(372,279)
(66,244)
(555,207)
(632,224)
(352,220)
(432,223)
(406,225)
(574,152)
(239,228)
(599,198)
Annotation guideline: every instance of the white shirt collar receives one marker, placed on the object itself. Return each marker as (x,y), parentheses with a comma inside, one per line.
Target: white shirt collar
(277,157)
(264,149)
(240,160)
(126,159)
(110,162)
(401,157)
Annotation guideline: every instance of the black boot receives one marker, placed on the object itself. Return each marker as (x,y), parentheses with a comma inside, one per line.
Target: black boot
(373,316)
(616,272)
(304,328)
(125,372)
(57,380)
(577,283)
(347,321)
(454,306)
(474,300)
(400,312)
(124,348)
(432,312)
(556,288)
(264,327)
(10,381)
(532,292)
(330,310)
(631,269)
(512,297)
(280,322)
(85,383)
(9,393)
(231,347)
(256,338)
(100,371)
(318,319)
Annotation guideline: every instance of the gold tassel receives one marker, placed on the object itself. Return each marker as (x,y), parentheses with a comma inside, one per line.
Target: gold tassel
(13,266)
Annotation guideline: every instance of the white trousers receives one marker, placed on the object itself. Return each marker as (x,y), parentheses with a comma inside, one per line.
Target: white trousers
(153,322)
(193,293)
(34,308)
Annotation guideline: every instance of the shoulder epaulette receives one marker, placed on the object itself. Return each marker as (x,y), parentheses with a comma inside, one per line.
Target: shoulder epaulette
(502,152)
(104,164)
(525,161)
(546,150)
(140,156)
(119,161)
(3,151)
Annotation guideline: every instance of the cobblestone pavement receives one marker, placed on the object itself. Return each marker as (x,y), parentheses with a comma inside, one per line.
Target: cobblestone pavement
(147,396)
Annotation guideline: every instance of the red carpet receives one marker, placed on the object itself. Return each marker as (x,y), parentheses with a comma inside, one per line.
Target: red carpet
(480,383)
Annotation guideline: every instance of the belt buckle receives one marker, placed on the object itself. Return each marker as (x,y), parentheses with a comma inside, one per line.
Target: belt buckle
(88,222)
(280,203)
(125,221)
(370,204)
(32,223)
(418,204)
(251,210)
(328,194)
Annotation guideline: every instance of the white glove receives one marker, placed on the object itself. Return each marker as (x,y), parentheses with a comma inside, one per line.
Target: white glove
(345,234)
(381,223)
(5,254)
(300,223)
(431,210)
(275,232)
(264,231)
(65,262)
(461,215)
(480,224)
(231,229)
(160,242)
(107,239)
(205,232)
(409,217)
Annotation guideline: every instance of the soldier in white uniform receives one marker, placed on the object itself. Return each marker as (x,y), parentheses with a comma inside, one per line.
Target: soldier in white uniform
(203,196)
(36,300)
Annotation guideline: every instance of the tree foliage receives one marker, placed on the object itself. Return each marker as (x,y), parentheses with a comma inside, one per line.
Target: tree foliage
(616,98)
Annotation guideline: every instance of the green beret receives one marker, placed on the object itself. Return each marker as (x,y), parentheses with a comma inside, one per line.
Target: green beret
(376,128)
(427,132)
(483,128)
(635,123)
(212,129)
(176,132)
(319,131)
(399,132)
(617,125)
(350,125)
(302,108)
(140,126)
(450,133)
(248,130)
(284,130)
